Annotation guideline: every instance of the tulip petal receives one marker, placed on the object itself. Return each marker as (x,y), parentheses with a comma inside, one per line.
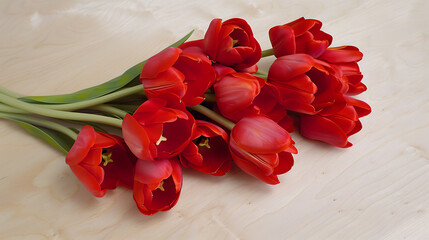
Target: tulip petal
(160,62)
(211,41)
(84,141)
(342,54)
(322,129)
(88,180)
(136,138)
(290,66)
(283,40)
(148,172)
(260,135)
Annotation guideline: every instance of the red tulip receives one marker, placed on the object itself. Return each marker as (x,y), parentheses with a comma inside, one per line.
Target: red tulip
(159,128)
(186,73)
(157,185)
(100,161)
(345,58)
(334,125)
(261,148)
(268,104)
(235,92)
(208,153)
(300,36)
(231,43)
(305,85)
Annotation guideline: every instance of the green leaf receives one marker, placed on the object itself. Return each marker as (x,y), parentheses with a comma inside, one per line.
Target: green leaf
(99,90)
(56,139)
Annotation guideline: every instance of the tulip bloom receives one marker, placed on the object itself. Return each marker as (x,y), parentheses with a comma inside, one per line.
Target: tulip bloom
(261,148)
(345,59)
(158,128)
(232,44)
(305,85)
(100,161)
(333,125)
(208,153)
(157,185)
(300,36)
(235,93)
(186,73)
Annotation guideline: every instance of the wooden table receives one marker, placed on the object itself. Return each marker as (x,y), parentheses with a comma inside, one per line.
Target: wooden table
(378,189)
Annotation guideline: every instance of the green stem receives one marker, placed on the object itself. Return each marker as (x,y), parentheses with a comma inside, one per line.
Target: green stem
(10,93)
(96,101)
(210,97)
(33,108)
(7,109)
(41,122)
(110,109)
(267,53)
(214,116)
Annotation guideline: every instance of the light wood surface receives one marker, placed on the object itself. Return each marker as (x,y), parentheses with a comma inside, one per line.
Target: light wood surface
(378,189)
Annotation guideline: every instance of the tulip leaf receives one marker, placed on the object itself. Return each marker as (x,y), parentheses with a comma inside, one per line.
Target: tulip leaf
(54,138)
(99,90)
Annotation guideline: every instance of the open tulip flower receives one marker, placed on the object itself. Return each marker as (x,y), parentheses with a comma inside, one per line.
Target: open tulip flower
(207,105)
(231,43)
(157,185)
(305,85)
(335,125)
(345,59)
(187,73)
(101,161)
(159,128)
(300,36)
(208,153)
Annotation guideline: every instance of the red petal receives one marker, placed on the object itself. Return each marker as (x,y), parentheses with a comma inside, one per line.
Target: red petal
(342,54)
(152,172)
(160,62)
(283,40)
(235,92)
(260,135)
(285,163)
(361,107)
(103,140)
(322,129)
(211,39)
(290,66)
(169,81)
(84,142)
(253,170)
(88,180)
(136,138)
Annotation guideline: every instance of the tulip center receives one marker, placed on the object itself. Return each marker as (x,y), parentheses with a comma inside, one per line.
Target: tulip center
(107,158)
(204,142)
(234,42)
(161,186)
(161,139)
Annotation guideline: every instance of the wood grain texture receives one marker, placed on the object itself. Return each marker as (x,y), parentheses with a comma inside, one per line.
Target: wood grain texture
(378,189)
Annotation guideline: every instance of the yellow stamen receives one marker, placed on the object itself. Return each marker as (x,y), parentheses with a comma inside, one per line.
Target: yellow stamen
(106,158)
(161,139)
(161,186)
(234,42)
(204,143)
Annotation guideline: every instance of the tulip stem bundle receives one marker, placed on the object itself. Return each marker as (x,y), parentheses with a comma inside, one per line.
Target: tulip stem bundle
(204,105)
(32,108)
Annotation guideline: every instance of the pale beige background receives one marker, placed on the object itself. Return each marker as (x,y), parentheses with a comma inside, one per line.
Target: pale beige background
(378,189)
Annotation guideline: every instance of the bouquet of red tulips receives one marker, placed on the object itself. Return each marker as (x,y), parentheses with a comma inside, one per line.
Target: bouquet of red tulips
(204,105)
